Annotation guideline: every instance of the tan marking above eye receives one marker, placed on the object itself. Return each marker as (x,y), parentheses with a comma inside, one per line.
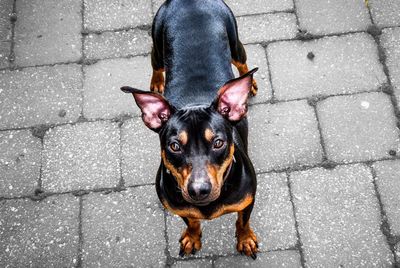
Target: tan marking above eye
(209,134)
(183,137)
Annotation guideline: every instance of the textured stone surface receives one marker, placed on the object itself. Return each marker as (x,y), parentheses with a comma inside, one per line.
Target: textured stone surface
(116,14)
(117,44)
(140,153)
(390,39)
(283,135)
(388,181)
(6,7)
(81,156)
(274,259)
(326,17)
(339,218)
(359,127)
(102,95)
(345,64)
(39,234)
(20,154)
(42,95)
(43,37)
(385,13)
(247,7)
(266,27)
(123,229)
(200,263)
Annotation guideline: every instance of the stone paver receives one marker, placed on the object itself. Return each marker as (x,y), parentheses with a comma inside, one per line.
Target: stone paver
(40,95)
(271,219)
(339,219)
(274,259)
(266,27)
(327,17)
(20,154)
(123,229)
(283,135)
(359,127)
(385,13)
(116,14)
(39,234)
(117,44)
(140,153)
(248,7)
(43,37)
(102,95)
(388,181)
(200,263)
(6,7)
(345,64)
(390,39)
(81,156)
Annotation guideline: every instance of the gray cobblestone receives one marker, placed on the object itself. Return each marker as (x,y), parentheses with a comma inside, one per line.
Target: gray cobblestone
(102,95)
(388,174)
(327,17)
(266,27)
(359,127)
(6,7)
(385,13)
(117,44)
(39,234)
(140,153)
(123,229)
(81,156)
(199,263)
(38,95)
(274,259)
(283,135)
(116,14)
(258,6)
(43,37)
(339,218)
(345,64)
(20,154)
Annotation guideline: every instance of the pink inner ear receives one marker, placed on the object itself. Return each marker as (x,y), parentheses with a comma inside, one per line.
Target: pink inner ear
(233,98)
(154,109)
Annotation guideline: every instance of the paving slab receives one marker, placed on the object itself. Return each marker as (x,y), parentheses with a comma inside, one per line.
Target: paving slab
(43,37)
(266,27)
(117,44)
(339,218)
(40,95)
(39,234)
(388,181)
(321,17)
(6,8)
(345,64)
(273,259)
(20,154)
(385,13)
(390,40)
(81,156)
(272,221)
(198,263)
(116,14)
(283,135)
(123,229)
(248,7)
(360,127)
(140,153)
(102,95)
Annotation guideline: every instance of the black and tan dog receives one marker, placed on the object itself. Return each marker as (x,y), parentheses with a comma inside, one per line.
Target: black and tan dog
(205,170)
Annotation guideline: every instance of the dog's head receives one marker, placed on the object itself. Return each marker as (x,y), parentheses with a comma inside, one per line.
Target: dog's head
(196,142)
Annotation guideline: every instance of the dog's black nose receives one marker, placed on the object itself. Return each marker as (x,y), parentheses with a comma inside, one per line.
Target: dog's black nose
(199,190)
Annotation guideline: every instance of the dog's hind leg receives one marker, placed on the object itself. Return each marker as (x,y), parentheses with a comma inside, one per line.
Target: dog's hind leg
(157,83)
(191,237)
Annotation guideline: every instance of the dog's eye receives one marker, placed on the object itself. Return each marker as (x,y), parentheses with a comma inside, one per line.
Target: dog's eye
(175,147)
(218,144)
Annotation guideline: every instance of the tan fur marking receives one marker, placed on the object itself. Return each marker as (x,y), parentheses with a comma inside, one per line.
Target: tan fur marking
(183,137)
(181,175)
(209,134)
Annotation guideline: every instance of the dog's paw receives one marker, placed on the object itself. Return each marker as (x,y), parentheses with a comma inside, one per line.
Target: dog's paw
(254,88)
(157,82)
(247,243)
(190,243)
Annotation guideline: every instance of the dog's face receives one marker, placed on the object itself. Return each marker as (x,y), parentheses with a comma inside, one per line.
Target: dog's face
(196,142)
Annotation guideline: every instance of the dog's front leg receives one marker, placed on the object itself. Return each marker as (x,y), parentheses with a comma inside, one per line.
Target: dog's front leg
(246,239)
(191,237)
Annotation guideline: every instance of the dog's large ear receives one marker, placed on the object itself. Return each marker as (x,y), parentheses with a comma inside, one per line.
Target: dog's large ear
(232,97)
(155,108)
